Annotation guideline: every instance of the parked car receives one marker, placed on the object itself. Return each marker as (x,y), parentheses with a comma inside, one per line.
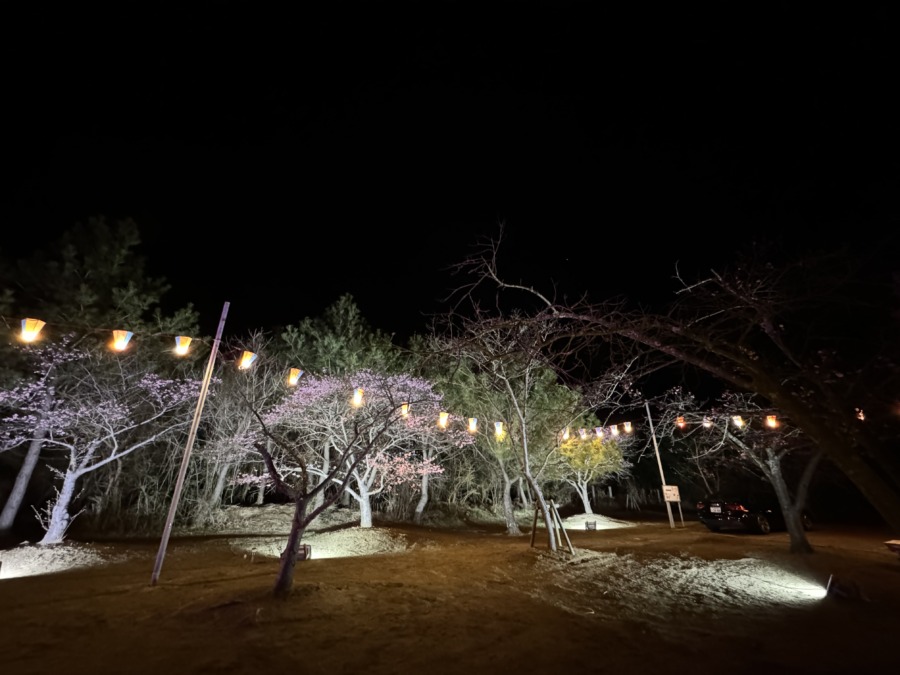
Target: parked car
(749,515)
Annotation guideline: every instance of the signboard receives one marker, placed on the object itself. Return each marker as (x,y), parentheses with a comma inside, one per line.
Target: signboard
(670,493)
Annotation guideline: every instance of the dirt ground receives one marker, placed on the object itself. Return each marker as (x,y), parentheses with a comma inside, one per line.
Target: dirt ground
(467,598)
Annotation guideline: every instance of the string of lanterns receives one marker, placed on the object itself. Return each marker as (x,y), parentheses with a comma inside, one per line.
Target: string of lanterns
(31,329)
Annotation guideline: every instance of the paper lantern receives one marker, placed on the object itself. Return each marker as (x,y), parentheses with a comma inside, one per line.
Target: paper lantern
(771,421)
(247,359)
(181,345)
(404,409)
(473,425)
(358,396)
(442,420)
(31,328)
(498,429)
(120,339)
(294,376)
(627,427)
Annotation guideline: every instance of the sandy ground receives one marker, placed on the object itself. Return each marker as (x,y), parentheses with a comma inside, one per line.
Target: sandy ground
(634,595)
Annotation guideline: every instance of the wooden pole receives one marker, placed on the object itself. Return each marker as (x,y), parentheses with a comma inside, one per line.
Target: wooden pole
(560,526)
(179,484)
(659,461)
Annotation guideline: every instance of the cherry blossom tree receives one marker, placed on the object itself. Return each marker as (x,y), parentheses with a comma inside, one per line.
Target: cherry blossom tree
(397,422)
(92,275)
(104,407)
(371,427)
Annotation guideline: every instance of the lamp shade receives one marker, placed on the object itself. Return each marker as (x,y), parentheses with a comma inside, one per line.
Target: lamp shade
(443,418)
(31,328)
(358,396)
(473,425)
(182,342)
(247,359)
(294,376)
(404,409)
(498,429)
(120,339)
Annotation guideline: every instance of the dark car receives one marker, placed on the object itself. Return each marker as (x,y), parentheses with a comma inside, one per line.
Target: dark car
(749,515)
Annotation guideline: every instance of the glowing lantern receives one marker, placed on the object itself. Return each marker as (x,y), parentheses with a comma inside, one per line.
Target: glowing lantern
(680,422)
(181,345)
(860,415)
(120,339)
(771,421)
(404,409)
(706,422)
(565,434)
(294,376)
(473,425)
(738,421)
(357,396)
(442,420)
(614,430)
(582,433)
(498,429)
(31,328)
(598,431)
(247,359)
(627,427)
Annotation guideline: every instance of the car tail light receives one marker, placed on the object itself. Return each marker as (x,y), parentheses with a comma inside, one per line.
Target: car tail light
(735,507)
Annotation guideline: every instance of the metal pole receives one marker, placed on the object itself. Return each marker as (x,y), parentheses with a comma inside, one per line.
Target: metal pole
(659,462)
(179,484)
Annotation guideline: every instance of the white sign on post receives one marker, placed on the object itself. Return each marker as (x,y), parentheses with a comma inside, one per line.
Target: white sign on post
(670,493)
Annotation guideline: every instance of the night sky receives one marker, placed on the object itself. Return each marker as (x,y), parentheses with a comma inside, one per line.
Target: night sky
(277,161)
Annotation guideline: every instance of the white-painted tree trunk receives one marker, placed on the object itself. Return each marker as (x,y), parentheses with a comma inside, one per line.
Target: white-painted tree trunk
(423,500)
(59,514)
(365,509)
(20,487)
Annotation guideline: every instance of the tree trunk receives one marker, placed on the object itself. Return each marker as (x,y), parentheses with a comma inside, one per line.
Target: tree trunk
(509,512)
(284,582)
(423,500)
(549,522)
(261,491)
(59,514)
(365,509)
(20,487)
(582,490)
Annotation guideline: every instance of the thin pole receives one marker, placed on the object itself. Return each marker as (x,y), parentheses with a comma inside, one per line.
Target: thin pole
(659,462)
(179,484)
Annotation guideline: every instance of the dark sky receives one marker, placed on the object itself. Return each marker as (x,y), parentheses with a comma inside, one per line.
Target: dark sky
(278,160)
